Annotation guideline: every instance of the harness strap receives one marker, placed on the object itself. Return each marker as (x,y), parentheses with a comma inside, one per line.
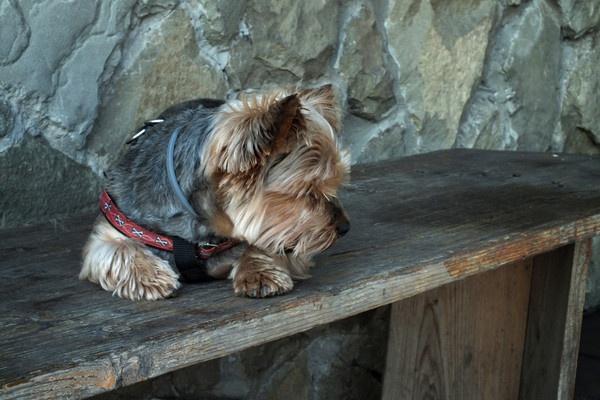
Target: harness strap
(191,268)
(190,258)
(172,178)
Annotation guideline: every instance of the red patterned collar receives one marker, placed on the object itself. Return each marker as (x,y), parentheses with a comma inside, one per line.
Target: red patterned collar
(162,242)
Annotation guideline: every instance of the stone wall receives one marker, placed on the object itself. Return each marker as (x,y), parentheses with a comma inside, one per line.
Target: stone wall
(76,77)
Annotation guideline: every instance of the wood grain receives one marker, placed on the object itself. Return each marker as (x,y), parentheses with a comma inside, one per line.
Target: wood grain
(461,341)
(554,323)
(417,224)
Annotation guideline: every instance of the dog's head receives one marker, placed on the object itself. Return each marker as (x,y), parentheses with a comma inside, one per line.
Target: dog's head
(276,164)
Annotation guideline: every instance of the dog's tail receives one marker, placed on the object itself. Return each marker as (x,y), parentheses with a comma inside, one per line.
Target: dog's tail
(125,267)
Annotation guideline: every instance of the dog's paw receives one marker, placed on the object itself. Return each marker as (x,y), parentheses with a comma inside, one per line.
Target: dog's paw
(261,283)
(258,274)
(124,267)
(148,282)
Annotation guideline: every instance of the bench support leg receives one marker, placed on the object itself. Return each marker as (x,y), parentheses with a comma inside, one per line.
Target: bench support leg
(460,341)
(554,322)
(504,334)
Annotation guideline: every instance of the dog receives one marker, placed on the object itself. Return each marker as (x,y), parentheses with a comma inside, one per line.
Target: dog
(260,173)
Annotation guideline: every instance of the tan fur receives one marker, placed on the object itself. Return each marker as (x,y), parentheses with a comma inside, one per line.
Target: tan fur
(221,224)
(259,274)
(282,203)
(279,200)
(219,266)
(274,162)
(243,132)
(125,267)
(324,102)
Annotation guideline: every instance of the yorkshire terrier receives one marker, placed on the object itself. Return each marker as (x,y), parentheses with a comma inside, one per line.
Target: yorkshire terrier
(255,178)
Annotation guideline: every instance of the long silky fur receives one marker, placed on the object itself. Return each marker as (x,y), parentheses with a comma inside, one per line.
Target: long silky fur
(264,169)
(125,267)
(262,202)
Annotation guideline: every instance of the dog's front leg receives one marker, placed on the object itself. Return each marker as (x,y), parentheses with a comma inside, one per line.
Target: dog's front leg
(125,267)
(259,274)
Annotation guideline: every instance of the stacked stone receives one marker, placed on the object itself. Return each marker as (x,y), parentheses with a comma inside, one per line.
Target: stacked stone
(76,78)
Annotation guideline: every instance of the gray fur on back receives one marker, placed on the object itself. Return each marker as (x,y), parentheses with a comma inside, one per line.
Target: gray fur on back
(139,183)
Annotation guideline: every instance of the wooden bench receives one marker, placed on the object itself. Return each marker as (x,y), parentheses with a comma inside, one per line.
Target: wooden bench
(482,254)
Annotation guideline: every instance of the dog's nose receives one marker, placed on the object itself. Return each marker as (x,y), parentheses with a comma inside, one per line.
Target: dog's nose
(342,227)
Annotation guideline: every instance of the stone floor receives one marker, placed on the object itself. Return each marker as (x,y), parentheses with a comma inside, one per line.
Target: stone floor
(587,386)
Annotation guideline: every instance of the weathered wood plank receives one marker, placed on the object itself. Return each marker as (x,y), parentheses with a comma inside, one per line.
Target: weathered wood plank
(418,223)
(461,341)
(554,325)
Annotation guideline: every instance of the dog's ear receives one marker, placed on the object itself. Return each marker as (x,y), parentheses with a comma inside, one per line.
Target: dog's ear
(248,131)
(289,122)
(323,100)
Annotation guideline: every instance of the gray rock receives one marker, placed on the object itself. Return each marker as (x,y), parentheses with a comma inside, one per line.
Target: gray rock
(74,105)
(76,98)
(283,42)
(357,133)
(439,48)
(54,84)
(521,80)
(581,141)
(363,65)
(534,74)
(14,32)
(580,114)
(193,382)
(220,20)
(579,16)
(343,360)
(486,123)
(115,18)
(12,126)
(55,29)
(144,8)
(6,119)
(278,370)
(389,144)
(346,361)
(162,66)
(39,184)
